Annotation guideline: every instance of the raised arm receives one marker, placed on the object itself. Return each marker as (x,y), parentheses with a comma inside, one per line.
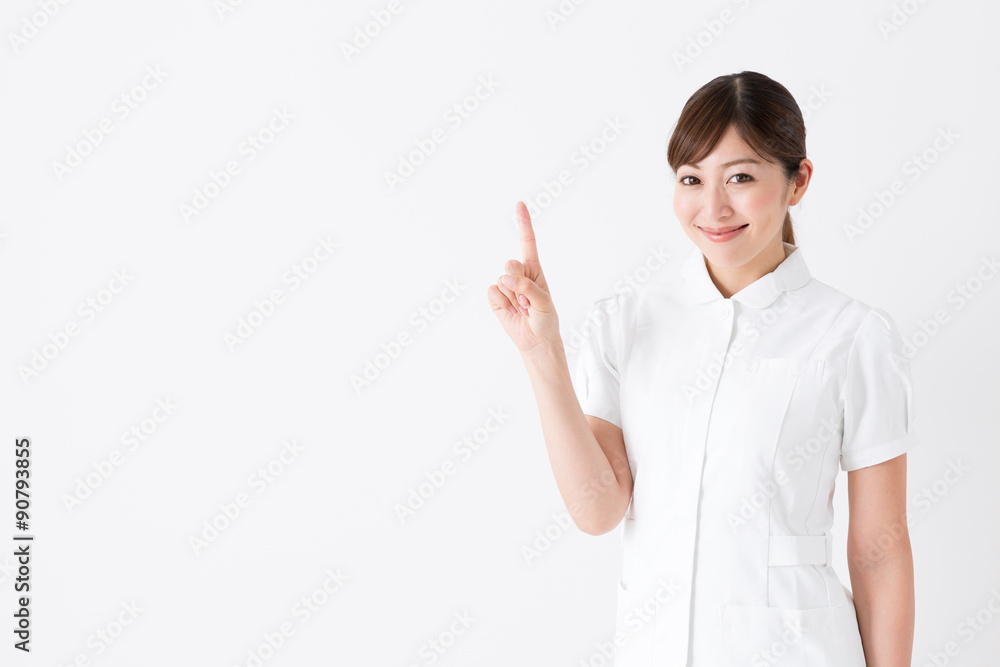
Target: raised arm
(587,454)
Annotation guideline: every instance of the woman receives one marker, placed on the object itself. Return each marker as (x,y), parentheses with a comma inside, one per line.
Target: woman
(712,413)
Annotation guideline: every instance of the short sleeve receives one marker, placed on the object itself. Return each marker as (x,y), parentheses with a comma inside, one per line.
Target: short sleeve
(596,375)
(877,395)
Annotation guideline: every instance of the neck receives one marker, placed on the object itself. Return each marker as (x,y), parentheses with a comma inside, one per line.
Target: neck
(729,281)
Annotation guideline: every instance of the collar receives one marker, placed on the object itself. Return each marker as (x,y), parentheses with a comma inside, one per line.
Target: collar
(791,274)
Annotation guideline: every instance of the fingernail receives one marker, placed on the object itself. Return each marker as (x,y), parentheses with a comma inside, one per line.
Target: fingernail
(508,281)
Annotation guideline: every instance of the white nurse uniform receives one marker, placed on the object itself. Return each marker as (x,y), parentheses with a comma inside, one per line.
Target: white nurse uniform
(736,414)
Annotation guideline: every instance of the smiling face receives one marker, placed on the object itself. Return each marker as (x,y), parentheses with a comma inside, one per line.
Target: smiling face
(732,204)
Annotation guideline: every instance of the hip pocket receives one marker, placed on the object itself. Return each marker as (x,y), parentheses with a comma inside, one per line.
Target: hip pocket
(821,637)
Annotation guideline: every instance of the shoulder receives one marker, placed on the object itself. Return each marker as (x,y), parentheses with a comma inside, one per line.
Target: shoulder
(857,318)
(625,301)
(634,303)
(665,296)
(868,341)
(611,318)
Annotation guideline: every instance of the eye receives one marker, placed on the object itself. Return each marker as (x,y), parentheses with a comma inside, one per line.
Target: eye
(742,178)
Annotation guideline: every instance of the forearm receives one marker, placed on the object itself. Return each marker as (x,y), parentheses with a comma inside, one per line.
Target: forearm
(590,486)
(884,600)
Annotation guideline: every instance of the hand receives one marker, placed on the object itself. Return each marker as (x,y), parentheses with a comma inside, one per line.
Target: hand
(525,309)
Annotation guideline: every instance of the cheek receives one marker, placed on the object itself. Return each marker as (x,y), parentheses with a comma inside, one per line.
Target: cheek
(684,206)
(760,202)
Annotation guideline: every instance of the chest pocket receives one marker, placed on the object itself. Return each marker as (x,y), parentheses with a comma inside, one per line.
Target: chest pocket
(757,405)
(787,366)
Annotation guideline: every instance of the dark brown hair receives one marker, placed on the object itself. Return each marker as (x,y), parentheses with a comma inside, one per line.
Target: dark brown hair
(764,114)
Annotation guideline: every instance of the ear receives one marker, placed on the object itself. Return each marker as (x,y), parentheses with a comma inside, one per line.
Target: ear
(801,182)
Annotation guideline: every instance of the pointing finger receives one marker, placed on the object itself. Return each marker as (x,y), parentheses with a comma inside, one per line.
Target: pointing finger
(529,253)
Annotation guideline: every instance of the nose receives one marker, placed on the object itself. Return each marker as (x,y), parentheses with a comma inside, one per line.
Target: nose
(716,203)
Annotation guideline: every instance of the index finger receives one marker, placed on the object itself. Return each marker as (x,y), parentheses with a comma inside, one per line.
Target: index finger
(529,253)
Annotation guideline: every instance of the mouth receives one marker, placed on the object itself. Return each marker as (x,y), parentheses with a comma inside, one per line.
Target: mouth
(723,233)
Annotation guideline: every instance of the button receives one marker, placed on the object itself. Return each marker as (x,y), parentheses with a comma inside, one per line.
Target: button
(724,308)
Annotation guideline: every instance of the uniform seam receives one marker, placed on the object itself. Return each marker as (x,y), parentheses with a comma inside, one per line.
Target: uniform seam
(770,504)
(629,332)
(850,355)
(815,498)
(807,518)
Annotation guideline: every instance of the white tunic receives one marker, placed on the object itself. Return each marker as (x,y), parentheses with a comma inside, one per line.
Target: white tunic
(736,414)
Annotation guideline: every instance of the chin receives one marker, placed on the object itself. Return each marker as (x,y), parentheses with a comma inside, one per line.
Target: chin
(725,258)
(727,255)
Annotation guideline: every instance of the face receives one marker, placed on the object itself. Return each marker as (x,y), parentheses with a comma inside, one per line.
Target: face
(732,204)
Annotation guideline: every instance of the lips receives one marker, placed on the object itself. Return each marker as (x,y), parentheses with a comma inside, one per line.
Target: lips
(723,234)
(722,230)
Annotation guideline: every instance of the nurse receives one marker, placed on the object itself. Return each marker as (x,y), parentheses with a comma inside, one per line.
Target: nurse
(711,415)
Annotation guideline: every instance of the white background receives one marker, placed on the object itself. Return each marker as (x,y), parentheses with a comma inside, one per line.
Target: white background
(874,101)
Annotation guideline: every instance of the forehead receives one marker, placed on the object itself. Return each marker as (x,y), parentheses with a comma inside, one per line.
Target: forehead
(730,150)
(730,147)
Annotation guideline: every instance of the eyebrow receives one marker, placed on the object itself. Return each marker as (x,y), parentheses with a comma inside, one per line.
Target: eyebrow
(741,160)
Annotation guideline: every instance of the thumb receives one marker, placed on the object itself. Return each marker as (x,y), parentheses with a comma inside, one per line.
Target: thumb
(539,298)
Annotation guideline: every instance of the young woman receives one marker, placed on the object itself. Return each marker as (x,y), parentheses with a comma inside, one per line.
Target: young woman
(712,413)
